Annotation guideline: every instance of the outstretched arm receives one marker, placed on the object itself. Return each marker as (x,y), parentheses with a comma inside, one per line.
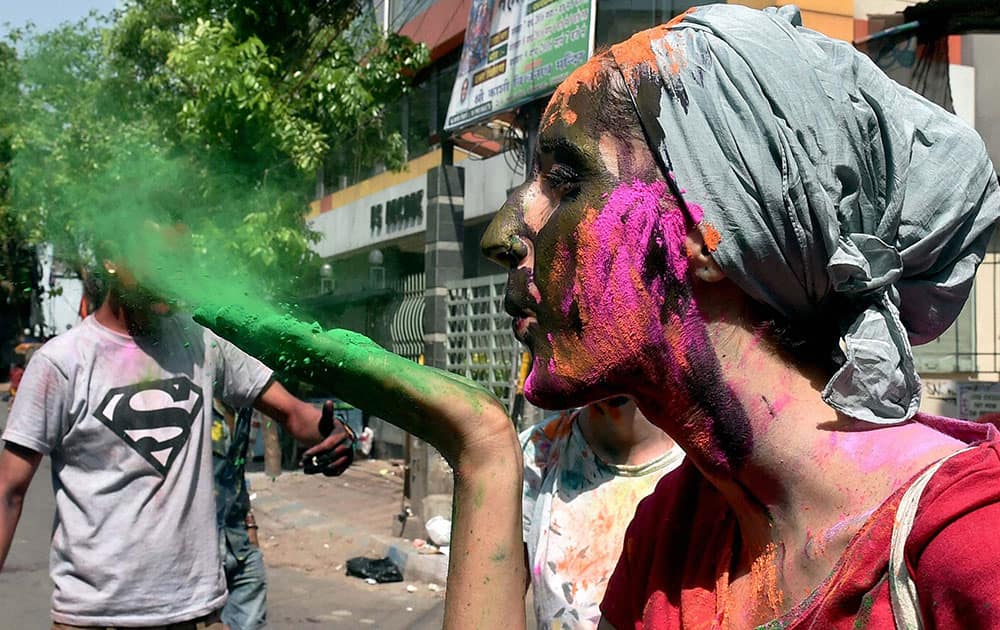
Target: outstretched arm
(467,424)
(17,467)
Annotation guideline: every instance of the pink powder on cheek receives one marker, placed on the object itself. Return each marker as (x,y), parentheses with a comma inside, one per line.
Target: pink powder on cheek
(619,301)
(780,402)
(613,252)
(534,292)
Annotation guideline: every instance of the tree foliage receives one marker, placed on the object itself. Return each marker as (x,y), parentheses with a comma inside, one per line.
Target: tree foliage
(215,112)
(284,83)
(17,259)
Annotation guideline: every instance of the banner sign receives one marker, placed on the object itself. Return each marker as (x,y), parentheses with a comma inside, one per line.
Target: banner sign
(516,51)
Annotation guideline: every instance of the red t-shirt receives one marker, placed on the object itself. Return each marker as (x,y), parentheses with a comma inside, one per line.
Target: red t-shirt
(682,533)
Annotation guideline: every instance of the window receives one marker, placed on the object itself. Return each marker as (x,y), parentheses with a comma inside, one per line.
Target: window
(402,11)
(418,117)
(418,108)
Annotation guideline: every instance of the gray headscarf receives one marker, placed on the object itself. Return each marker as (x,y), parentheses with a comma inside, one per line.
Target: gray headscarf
(829,184)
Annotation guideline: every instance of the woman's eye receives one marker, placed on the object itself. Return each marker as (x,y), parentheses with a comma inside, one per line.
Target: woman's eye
(562,178)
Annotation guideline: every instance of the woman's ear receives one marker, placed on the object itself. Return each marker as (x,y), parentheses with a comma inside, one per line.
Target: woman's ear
(700,260)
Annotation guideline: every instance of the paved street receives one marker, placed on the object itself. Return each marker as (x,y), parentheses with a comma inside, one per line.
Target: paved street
(308,588)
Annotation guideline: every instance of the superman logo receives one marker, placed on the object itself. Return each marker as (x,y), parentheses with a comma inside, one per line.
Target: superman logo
(154,418)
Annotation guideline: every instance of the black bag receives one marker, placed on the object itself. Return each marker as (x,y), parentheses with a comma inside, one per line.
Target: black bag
(381,570)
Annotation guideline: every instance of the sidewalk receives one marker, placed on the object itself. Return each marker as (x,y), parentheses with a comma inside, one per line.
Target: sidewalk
(315,523)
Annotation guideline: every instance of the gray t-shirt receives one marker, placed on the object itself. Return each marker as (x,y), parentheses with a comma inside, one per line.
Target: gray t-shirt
(127,423)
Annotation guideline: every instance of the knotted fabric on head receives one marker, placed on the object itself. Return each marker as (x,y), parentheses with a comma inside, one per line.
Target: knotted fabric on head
(833,188)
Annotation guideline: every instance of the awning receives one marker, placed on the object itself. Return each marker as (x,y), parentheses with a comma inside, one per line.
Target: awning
(340,301)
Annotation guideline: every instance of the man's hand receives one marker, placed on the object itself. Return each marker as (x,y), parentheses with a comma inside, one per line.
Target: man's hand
(335,453)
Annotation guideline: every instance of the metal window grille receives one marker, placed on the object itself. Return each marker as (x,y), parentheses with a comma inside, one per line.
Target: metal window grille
(407,324)
(972,344)
(480,342)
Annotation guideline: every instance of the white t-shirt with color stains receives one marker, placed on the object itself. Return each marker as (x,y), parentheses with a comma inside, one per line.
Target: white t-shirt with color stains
(127,423)
(576,508)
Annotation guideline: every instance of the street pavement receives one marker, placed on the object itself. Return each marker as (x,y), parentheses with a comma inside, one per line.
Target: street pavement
(307,587)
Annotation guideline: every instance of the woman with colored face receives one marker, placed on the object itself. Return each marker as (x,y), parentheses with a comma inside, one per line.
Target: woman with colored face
(743,225)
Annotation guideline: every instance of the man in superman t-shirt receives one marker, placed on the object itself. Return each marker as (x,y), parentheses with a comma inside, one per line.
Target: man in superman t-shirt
(122,404)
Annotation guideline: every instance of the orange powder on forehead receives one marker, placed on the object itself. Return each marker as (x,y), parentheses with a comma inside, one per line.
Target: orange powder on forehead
(588,75)
(638,49)
(636,54)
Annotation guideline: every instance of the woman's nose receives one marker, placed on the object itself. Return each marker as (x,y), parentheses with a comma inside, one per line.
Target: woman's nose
(504,242)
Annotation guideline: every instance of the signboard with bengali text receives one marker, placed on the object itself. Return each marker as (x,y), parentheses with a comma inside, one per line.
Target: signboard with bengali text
(514,52)
(977,399)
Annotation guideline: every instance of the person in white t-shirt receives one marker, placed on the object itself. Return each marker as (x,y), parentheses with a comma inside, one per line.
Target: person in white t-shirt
(584,473)
(122,404)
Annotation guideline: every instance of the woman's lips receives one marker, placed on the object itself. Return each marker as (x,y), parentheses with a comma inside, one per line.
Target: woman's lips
(522,325)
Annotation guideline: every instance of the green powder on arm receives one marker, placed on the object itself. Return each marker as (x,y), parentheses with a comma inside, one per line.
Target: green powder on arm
(353,367)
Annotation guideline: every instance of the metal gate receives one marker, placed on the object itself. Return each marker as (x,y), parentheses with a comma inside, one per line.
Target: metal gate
(480,342)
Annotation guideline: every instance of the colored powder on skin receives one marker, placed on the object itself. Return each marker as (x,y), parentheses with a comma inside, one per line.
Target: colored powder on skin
(780,402)
(764,579)
(633,298)
(636,56)
(562,267)
(815,545)
(614,304)
(350,364)
(710,235)
(500,555)
(586,76)
(636,53)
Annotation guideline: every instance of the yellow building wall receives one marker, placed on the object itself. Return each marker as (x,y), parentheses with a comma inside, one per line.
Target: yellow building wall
(834,18)
(414,168)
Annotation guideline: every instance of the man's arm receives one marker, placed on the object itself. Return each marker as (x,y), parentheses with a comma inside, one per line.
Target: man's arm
(17,467)
(320,430)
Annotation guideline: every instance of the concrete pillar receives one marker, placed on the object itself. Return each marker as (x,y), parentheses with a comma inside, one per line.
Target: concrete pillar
(429,475)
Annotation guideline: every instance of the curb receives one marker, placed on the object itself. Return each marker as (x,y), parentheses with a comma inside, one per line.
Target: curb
(416,566)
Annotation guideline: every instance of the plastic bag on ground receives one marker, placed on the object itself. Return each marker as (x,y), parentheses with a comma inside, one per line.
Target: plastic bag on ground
(439,531)
(382,570)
